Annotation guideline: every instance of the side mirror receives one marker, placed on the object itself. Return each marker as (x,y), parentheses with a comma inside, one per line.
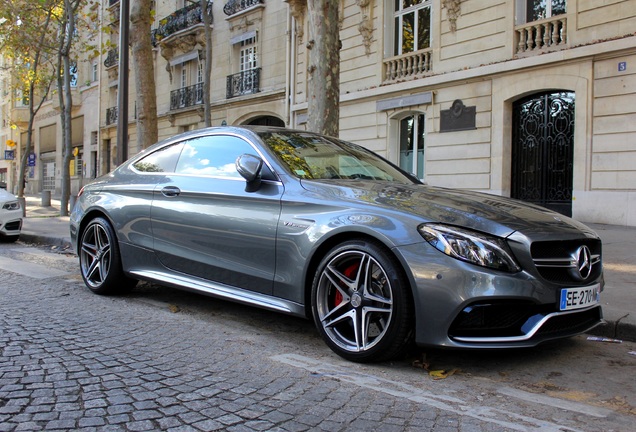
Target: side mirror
(249,167)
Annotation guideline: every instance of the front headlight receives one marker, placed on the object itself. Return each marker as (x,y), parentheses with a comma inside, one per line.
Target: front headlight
(12,205)
(470,246)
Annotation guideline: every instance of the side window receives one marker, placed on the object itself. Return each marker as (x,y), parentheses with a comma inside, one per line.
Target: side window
(162,160)
(213,156)
(412,138)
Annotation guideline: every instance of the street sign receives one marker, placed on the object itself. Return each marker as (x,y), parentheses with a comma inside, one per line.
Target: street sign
(31,160)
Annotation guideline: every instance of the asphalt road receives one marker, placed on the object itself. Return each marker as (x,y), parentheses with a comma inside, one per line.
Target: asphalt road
(161,359)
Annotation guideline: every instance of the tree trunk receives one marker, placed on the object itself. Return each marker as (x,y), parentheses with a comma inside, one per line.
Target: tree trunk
(206,8)
(67,29)
(324,67)
(143,67)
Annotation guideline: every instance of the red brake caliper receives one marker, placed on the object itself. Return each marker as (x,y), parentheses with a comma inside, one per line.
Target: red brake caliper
(348,272)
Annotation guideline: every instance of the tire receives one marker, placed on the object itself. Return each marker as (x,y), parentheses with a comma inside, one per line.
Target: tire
(100,261)
(362,322)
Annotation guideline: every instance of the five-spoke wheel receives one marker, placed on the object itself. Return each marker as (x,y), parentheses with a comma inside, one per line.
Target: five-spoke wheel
(100,261)
(360,303)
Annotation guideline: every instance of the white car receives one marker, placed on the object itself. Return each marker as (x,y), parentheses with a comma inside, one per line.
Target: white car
(10,216)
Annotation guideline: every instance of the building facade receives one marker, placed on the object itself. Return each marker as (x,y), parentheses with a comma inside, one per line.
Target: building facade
(532,99)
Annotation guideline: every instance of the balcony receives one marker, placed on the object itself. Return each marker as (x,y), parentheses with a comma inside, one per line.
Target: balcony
(186,97)
(112,59)
(233,7)
(407,65)
(111,116)
(544,35)
(243,83)
(179,20)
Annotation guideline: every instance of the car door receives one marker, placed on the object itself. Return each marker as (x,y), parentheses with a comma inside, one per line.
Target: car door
(206,225)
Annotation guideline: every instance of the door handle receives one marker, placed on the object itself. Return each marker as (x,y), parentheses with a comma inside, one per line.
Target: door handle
(170,191)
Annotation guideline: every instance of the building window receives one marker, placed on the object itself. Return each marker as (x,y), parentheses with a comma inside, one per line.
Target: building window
(412,137)
(535,10)
(412,21)
(73,74)
(200,67)
(248,55)
(94,71)
(184,76)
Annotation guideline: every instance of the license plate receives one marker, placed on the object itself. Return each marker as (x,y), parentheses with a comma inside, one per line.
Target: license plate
(577,298)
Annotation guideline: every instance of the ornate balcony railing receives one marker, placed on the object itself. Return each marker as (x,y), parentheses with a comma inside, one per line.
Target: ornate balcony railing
(407,65)
(111,116)
(186,96)
(179,20)
(235,6)
(112,59)
(242,83)
(541,35)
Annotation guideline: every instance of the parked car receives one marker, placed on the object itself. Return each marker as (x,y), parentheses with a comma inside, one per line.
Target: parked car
(10,216)
(315,227)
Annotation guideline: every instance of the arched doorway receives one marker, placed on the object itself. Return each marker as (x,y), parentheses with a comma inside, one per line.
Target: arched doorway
(266,121)
(542,150)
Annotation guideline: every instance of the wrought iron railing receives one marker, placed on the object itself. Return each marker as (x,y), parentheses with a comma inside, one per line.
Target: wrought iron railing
(540,35)
(235,6)
(179,20)
(112,59)
(243,83)
(111,115)
(407,65)
(186,96)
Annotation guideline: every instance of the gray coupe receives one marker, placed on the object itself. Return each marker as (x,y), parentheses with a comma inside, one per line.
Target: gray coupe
(312,226)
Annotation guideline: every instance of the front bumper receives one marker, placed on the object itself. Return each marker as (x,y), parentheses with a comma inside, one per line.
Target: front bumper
(466,306)
(11,226)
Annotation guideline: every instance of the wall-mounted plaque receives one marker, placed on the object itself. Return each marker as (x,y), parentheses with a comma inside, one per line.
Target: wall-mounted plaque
(458,117)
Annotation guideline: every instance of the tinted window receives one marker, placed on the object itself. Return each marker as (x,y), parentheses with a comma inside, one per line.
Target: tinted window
(212,156)
(310,156)
(162,160)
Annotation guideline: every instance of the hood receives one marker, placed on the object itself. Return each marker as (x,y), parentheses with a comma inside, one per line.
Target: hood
(6,196)
(483,212)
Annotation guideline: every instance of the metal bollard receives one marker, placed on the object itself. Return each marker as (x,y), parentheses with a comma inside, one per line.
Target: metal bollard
(46,198)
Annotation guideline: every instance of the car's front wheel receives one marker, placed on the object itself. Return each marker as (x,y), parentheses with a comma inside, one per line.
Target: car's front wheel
(100,261)
(360,302)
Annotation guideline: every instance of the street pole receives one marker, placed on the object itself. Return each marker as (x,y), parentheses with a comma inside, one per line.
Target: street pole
(122,96)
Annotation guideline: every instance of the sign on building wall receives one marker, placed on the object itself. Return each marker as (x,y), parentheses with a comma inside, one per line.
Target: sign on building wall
(9,154)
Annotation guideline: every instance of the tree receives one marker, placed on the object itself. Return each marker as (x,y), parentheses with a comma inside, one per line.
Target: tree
(324,67)
(67,31)
(144,69)
(27,41)
(206,14)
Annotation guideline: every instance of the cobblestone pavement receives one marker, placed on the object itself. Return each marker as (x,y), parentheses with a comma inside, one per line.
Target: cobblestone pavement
(160,360)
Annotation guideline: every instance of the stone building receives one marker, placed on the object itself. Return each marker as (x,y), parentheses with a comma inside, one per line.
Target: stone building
(532,99)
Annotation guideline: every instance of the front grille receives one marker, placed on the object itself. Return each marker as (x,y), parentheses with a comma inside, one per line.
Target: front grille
(503,319)
(572,323)
(13,226)
(556,261)
(516,320)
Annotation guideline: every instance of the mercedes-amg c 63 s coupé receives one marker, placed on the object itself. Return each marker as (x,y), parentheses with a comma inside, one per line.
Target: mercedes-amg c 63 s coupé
(312,226)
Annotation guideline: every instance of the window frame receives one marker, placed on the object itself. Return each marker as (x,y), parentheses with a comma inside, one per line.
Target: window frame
(397,14)
(417,163)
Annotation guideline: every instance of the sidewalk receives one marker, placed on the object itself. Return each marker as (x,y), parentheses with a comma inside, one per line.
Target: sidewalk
(43,225)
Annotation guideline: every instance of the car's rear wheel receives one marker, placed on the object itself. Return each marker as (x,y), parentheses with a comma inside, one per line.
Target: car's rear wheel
(100,261)
(361,303)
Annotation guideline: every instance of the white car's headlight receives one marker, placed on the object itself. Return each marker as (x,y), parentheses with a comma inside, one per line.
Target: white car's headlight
(470,246)
(11,205)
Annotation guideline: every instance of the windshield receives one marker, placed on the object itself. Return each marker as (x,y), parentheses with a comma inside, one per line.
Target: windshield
(311,156)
